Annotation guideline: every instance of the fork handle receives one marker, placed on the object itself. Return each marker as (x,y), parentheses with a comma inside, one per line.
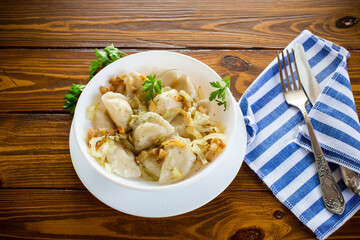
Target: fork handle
(332,196)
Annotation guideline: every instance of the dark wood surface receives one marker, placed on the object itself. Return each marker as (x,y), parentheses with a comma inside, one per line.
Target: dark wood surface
(45,46)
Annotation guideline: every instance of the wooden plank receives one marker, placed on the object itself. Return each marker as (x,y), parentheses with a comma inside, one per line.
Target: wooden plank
(353,65)
(34,153)
(175,24)
(56,214)
(37,80)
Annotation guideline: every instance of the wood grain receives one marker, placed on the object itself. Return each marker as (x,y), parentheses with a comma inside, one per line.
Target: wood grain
(35,154)
(37,80)
(48,45)
(173,24)
(44,214)
(76,214)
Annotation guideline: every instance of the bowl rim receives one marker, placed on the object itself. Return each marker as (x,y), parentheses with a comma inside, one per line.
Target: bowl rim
(100,169)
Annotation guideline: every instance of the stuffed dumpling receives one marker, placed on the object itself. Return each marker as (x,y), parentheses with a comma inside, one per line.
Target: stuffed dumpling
(167,100)
(122,161)
(178,161)
(98,114)
(118,108)
(133,82)
(148,129)
(101,119)
(150,162)
(184,83)
(166,75)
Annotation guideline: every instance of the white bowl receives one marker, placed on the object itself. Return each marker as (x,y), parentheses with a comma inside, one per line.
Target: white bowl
(199,74)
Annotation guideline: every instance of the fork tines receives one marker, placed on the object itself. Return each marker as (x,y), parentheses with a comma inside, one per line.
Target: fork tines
(290,88)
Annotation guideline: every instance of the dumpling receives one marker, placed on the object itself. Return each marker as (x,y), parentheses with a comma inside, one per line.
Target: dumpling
(133,82)
(118,108)
(167,100)
(102,120)
(149,128)
(180,123)
(166,75)
(178,161)
(122,161)
(150,164)
(102,123)
(184,83)
(205,103)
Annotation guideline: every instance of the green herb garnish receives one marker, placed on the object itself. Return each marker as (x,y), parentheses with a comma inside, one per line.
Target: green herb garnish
(220,92)
(151,85)
(104,57)
(72,97)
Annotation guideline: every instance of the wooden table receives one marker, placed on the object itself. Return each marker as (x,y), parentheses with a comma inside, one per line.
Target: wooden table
(47,45)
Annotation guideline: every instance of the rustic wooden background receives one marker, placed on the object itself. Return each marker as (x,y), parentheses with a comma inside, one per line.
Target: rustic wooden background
(48,45)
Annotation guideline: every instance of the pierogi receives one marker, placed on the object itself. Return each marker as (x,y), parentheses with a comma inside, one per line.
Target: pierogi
(160,139)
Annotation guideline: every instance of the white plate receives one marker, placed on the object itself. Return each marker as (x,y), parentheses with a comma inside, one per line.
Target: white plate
(145,62)
(160,203)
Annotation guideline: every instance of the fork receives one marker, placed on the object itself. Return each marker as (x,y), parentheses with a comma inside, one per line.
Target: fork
(295,96)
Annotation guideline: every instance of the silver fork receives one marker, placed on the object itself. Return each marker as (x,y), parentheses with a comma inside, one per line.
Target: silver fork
(295,96)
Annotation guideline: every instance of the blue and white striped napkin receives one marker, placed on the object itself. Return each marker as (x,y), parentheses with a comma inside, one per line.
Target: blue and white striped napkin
(278,147)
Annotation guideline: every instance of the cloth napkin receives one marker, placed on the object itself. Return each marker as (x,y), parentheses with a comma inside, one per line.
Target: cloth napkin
(279,149)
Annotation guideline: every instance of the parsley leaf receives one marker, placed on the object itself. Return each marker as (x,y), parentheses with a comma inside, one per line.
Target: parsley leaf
(72,97)
(150,85)
(104,57)
(219,94)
